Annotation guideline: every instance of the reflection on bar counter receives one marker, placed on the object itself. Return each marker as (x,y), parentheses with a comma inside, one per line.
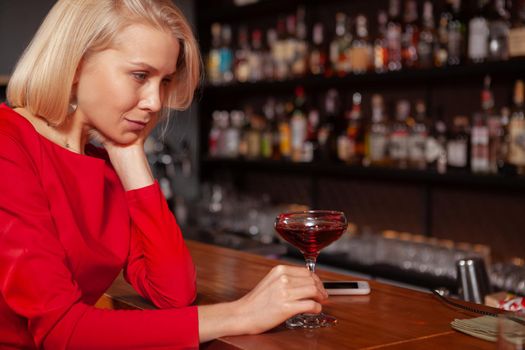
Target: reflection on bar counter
(380,253)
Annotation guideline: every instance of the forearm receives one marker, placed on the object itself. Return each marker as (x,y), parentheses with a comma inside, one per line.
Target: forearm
(131,165)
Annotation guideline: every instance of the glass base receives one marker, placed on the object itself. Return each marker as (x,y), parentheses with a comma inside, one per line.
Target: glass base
(311,321)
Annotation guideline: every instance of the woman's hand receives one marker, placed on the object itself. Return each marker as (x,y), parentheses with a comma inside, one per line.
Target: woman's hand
(284,292)
(129,161)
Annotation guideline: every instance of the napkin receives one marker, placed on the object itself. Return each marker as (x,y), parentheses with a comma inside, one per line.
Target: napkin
(486,328)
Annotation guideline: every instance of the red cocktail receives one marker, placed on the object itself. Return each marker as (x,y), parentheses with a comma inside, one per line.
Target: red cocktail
(311,231)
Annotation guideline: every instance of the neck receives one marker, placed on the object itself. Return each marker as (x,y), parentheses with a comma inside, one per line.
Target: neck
(71,134)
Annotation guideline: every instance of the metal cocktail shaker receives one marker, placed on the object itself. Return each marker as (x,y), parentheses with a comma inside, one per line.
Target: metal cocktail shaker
(473,280)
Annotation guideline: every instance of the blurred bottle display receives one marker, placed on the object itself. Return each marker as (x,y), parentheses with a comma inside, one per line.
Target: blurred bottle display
(299,128)
(298,44)
(353,127)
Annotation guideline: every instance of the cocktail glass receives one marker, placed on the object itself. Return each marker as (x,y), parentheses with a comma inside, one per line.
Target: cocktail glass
(310,231)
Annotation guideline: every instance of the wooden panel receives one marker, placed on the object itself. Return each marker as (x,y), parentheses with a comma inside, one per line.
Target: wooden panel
(282,188)
(495,219)
(378,205)
(388,316)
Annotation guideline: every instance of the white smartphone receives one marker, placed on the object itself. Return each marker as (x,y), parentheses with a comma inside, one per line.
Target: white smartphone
(347,287)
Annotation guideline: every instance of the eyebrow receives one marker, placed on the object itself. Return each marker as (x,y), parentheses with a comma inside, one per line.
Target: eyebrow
(149,67)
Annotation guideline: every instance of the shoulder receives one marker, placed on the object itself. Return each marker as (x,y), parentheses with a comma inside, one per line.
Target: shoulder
(16,127)
(18,138)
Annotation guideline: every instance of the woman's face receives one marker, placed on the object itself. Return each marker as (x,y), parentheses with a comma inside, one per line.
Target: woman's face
(120,90)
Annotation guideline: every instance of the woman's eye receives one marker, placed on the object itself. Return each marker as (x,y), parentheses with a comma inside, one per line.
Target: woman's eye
(140,76)
(166,81)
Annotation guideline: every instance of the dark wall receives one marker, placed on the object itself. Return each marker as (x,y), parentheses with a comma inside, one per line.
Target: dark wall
(19,21)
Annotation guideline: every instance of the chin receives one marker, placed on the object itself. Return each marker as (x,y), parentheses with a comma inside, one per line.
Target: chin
(127,139)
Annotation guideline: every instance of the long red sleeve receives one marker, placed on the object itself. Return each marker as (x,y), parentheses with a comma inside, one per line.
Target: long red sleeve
(160,267)
(66,230)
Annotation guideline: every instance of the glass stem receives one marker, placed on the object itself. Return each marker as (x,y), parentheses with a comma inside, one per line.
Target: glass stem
(310,264)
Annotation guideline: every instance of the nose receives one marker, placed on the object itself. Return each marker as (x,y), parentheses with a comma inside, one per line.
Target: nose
(151,99)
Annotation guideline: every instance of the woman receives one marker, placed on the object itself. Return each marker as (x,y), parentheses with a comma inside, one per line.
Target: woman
(73,215)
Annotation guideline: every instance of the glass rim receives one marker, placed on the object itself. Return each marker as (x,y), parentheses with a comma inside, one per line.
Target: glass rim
(314,211)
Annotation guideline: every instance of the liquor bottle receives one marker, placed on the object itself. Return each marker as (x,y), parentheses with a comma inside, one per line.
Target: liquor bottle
(499,27)
(417,138)
(213,136)
(480,153)
(399,136)
(299,62)
(517,30)
(495,129)
(298,126)
(291,45)
(317,60)
(378,134)
(504,165)
(268,59)
(456,34)
(355,132)
(328,126)
(410,36)
(285,146)
(279,51)
(380,44)
(255,58)
(267,137)
(214,57)
(360,49)
(226,55)
(393,37)
(427,38)
(517,129)
(441,54)
(458,145)
(232,134)
(253,134)
(340,46)
(479,34)
(436,148)
(311,152)
(242,55)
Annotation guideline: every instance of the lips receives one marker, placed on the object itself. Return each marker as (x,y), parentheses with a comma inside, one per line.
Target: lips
(135,125)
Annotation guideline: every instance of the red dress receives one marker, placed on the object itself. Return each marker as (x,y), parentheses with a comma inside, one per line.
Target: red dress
(67,228)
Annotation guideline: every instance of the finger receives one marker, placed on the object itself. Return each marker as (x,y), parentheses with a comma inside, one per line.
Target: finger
(305,292)
(319,283)
(291,270)
(304,306)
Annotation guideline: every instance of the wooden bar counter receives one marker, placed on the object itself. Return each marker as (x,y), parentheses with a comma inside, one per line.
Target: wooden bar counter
(389,318)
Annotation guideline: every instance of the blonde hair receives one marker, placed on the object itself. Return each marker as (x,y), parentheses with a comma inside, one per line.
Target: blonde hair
(43,78)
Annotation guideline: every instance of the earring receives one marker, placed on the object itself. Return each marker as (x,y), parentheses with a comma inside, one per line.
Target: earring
(72,107)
